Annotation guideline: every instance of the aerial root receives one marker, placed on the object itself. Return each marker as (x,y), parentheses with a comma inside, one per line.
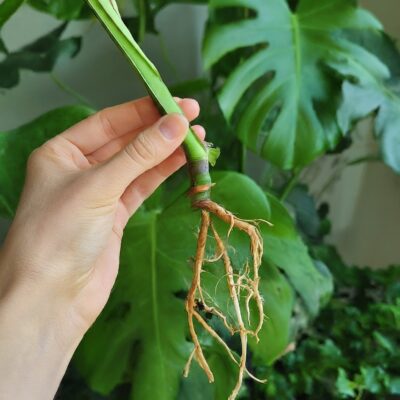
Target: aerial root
(248,281)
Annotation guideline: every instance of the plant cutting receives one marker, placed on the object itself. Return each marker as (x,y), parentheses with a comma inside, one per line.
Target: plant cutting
(291,78)
(199,155)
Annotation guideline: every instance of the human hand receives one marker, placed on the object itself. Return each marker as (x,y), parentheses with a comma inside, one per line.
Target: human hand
(82,186)
(61,255)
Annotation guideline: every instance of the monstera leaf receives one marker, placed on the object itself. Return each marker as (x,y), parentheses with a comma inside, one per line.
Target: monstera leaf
(291,81)
(366,95)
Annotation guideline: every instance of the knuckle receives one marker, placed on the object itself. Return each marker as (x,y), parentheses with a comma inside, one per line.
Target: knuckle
(37,157)
(105,124)
(142,150)
(40,157)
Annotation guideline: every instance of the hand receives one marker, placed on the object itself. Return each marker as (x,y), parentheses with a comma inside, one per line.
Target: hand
(60,258)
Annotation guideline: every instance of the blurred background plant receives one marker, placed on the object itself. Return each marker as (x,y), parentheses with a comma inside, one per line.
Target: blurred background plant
(284,86)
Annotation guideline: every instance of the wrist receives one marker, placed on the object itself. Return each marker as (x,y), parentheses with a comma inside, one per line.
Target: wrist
(38,305)
(37,341)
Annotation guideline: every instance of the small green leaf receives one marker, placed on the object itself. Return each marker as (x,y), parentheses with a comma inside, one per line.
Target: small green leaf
(373,379)
(344,386)
(39,56)
(17,145)
(62,9)
(213,154)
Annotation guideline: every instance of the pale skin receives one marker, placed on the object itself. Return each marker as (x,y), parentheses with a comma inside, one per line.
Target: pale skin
(60,258)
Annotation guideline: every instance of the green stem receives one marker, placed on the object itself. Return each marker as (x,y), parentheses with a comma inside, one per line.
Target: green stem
(70,91)
(196,152)
(243,158)
(290,185)
(141,11)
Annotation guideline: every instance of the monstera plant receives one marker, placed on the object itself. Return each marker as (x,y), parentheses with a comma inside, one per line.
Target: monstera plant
(286,80)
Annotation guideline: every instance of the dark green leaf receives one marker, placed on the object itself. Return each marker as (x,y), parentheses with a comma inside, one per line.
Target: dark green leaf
(292,74)
(16,146)
(3,48)
(190,88)
(63,9)
(306,211)
(39,56)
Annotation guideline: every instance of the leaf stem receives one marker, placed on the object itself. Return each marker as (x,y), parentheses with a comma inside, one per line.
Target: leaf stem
(243,157)
(290,184)
(67,89)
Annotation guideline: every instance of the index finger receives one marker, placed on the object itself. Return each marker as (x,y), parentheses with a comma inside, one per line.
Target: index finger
(113,122)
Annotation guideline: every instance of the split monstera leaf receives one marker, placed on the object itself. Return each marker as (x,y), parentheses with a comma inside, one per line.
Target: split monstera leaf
(301,66)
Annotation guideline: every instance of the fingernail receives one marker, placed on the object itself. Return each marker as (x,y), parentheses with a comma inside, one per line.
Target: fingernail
(173,126)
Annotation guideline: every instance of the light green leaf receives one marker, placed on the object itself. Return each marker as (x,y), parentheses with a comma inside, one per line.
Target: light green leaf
(16,146)
(284,247)
(344,386)
(365,95)
(373,379)
(291,80)
(361,101)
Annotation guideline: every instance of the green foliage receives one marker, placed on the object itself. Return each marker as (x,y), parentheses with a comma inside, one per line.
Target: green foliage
(62,9)
(16,146)
(352,348)
(380,98)
(313,285)
(292,74)
(296,76)
(39,56)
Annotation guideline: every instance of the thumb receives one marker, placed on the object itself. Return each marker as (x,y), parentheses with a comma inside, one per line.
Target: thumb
(147,150)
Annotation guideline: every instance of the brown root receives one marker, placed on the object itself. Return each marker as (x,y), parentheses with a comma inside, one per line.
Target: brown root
(248,282)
